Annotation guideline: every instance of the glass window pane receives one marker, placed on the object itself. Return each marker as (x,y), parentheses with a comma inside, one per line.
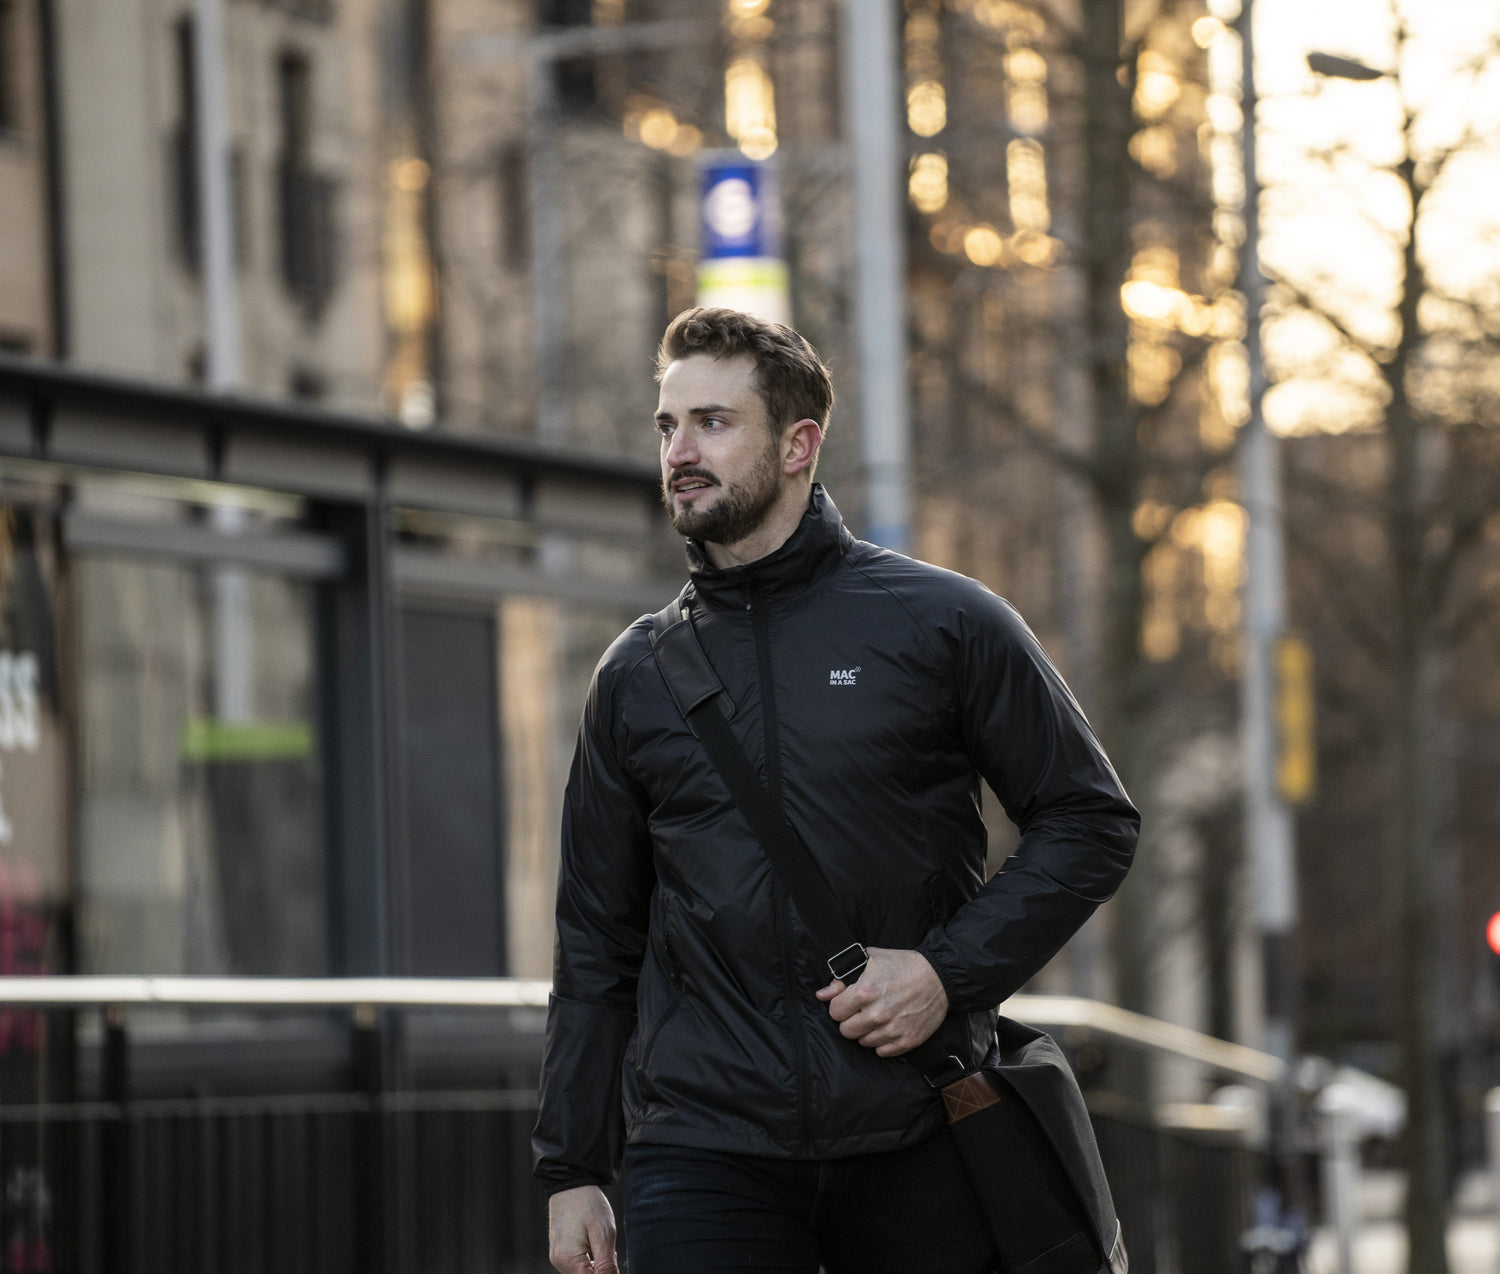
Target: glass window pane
(200,815)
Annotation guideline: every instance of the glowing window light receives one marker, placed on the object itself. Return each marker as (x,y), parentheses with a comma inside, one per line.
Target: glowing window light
(658,127)
(750,107)
(1151,369)
(1026,173)
(926,108)
(1206,30)
(1008,16)
(928,184)
(1156,87)
(983,245)
(1155,150)
(1026,105)
(1026,66)
(1033,247)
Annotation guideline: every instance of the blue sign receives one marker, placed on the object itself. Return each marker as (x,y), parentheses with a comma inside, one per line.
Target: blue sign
(737,209)
(739,252)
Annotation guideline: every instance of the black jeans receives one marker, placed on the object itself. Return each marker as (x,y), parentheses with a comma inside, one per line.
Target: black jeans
(705,1212)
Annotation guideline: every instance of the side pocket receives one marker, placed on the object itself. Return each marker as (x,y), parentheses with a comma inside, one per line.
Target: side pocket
(673,971)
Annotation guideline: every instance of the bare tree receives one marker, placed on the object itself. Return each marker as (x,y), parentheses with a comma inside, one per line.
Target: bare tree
(1428,375)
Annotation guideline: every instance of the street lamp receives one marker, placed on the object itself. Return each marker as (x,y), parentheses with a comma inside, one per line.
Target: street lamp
(1273,1243)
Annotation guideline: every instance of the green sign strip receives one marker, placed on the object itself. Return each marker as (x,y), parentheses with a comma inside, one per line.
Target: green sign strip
(208,739)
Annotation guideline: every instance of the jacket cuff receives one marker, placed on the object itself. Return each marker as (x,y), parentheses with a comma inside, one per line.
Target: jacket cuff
(551,1184)
(938,952)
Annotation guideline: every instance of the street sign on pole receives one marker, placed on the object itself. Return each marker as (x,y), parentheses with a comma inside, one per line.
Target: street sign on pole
(739,260)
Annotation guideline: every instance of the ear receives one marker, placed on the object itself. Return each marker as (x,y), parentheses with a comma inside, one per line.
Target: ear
(799,446)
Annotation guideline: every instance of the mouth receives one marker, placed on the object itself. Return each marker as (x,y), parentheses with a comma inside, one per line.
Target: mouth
(689,486)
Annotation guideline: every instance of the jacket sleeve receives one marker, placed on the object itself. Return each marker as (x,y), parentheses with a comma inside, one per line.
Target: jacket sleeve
(1031,743)
(603,906)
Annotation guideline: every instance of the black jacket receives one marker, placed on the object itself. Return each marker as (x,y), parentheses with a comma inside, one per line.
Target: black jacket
(873,693)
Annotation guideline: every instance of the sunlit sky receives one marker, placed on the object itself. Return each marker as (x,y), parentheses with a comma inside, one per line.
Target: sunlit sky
(1325,221)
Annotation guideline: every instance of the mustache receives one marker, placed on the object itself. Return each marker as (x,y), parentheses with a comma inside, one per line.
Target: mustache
(681,475)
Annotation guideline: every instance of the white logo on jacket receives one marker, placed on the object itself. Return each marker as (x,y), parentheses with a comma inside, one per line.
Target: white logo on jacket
(843,676)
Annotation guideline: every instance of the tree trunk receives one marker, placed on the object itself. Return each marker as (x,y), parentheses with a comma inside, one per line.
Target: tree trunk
(1410,742)
(1115,468)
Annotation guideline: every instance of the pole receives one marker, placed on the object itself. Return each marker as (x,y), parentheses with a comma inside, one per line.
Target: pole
(1341,1172)
(870,112)
(1268,820)
(215,205)
(222,369)
(1492,1138)
(549,255)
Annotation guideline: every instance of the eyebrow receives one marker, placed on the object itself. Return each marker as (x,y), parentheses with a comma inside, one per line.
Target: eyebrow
(711,410)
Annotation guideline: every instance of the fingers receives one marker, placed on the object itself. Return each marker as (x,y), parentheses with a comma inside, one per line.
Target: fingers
(581,1232)
(602,1245)
(895,1005)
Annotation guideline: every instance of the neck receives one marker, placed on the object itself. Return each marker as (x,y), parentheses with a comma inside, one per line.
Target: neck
(784,518)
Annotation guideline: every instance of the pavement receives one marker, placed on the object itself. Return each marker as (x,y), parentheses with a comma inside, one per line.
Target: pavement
(1380,1244)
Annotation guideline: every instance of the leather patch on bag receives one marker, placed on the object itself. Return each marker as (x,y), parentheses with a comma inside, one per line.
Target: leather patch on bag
(968,1096)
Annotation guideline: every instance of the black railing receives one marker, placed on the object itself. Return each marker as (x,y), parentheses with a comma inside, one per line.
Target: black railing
(407,1150)
(322,1184)
(1184,1196)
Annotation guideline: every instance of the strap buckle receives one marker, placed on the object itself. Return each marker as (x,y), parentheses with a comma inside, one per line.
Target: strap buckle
(848,970)
(949,1071)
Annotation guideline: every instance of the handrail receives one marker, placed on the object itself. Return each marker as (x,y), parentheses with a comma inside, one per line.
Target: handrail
(62,991)
(1048,1011)
(1149,1032)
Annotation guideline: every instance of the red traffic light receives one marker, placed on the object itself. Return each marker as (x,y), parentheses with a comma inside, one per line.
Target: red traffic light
(1492,933)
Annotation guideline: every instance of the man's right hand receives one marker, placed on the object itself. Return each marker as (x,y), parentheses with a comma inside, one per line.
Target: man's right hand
(581,1232)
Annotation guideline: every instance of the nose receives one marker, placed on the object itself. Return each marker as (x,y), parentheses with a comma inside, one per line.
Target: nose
(681,449)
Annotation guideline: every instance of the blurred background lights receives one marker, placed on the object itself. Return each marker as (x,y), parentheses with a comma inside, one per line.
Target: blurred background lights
(983,245)
(750,107)
(926,108)
(928,184)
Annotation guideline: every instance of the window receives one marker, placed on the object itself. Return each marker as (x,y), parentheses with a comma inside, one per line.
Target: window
(515,215)
(577,89)
(10,66)
(306,197)
(184,166)
(200,814)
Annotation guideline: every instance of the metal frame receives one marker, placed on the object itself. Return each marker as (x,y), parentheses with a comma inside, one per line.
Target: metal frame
(1054,1012)
(347,473)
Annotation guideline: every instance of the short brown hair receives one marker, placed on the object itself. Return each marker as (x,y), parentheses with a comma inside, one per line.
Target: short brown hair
(789,376)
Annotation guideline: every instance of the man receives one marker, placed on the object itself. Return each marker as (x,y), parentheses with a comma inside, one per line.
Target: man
(769,1120)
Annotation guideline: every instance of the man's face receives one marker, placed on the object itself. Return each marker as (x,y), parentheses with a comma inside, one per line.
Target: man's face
(720,465)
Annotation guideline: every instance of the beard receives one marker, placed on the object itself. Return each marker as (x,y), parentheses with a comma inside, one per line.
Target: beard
(740,509)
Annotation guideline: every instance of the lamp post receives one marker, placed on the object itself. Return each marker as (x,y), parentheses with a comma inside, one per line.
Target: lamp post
(1275,1241)
(871,63)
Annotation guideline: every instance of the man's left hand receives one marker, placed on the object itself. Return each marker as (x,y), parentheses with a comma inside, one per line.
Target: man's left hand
(896,1004)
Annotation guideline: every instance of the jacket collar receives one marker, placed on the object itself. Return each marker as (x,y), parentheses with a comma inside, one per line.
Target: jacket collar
(813,549)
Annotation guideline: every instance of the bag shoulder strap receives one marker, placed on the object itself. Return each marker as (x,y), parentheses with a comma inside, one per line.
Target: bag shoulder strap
(699,695)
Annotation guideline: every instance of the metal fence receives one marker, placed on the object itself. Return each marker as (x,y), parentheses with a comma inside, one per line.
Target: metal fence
(385,1173)
(296,1185)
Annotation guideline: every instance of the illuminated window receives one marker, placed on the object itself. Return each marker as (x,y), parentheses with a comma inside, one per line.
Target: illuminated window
(750,107)
(928,184)
(1026,173)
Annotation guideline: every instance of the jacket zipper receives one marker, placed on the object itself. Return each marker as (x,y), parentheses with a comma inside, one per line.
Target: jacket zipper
(760,623)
